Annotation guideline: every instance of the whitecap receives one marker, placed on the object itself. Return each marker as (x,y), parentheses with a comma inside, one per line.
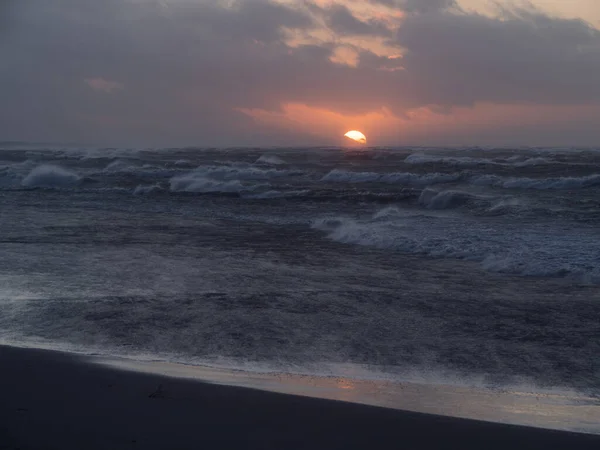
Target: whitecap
(51,176)
(270,160)
(401,178)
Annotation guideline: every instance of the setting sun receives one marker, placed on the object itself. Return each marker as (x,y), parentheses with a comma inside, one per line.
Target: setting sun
(356,136)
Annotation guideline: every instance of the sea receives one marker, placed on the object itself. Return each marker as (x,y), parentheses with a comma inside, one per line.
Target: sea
(439,265)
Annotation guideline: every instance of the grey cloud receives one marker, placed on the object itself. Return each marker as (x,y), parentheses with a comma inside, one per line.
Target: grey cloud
(460,59)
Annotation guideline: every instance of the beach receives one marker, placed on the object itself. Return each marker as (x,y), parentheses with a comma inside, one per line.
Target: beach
(54,400)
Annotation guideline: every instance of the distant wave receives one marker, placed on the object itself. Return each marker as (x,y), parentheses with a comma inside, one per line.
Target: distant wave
(270,160)
(127,168)
(50,176)
(241,172)
(401,178)
(144,190)
(195,182)
(469,162)
(446,199)
(278,194)
(537,183)
(459,161)
(538,161)
(226,179)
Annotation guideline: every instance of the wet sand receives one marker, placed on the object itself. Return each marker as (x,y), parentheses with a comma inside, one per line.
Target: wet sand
(53,400)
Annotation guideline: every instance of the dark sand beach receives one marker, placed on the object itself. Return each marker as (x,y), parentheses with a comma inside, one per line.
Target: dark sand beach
(53,400)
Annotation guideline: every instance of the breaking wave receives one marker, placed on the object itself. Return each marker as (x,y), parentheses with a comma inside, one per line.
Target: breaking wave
(446,199)
(241,172)
(278,194)
(535,252)
(538,161)
(226,179)
(458,161)
(144,190)
(199,183)
(400,178)
(537,183)
(50,176)
(270,160)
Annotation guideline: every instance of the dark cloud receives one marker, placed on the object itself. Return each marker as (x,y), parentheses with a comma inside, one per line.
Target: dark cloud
(179,74)
(526,56)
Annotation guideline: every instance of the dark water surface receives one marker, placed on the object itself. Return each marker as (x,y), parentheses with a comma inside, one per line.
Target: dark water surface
(476,265)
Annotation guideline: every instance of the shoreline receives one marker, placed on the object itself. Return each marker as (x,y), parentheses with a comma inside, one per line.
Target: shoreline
(54,400)
(560,410)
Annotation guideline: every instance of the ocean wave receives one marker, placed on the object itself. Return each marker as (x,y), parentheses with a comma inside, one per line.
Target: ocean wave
(278,194)
(508,206)
(199,183)
(458,161)
(226,179)
(514,264)
(537,183)
(102,153)
(241,173)
(446,199)
(270,160)
(538,161)
(144,190)
(118,165)
(526,252)
(50,176)
(124,167)
(8,177)
(400,178)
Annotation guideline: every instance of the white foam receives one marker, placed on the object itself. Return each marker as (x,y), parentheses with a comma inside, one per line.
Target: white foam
(537,183)
(446,199)
(51,176)
(459,161)
(143,190)
(270,160)
(230,178)
(507,205)
(198,183)
(520,160)
(239,172)
(277,194)
(533,251)
(119,165)
(124,167)
(388,212)
(538,161)
(514,264)
(101,153)
(401,178)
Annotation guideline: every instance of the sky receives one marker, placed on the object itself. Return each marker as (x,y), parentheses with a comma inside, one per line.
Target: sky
(168,73)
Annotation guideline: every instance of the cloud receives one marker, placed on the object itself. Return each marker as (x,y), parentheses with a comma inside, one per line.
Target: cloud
(523,56)
(419,6)
(426,6)
(193,69)
(107,86)
(342,21)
